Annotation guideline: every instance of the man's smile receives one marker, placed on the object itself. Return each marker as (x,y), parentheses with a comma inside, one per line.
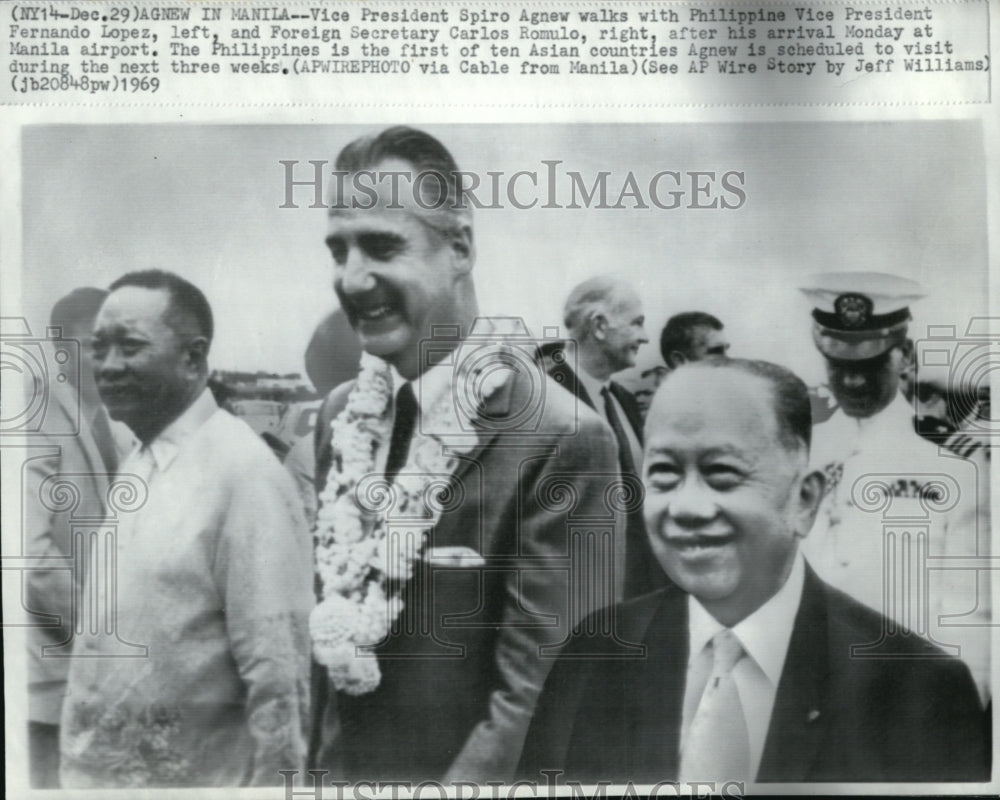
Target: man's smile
(377,305)
(696,544)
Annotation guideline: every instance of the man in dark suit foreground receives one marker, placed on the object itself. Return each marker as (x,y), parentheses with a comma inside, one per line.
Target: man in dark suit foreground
(748,672)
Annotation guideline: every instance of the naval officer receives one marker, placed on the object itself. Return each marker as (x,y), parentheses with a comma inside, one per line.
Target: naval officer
(902,526)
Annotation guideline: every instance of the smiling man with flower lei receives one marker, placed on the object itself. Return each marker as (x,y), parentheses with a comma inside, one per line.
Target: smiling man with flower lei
(448,475)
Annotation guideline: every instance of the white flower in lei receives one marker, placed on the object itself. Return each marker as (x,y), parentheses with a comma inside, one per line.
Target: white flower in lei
(355,557)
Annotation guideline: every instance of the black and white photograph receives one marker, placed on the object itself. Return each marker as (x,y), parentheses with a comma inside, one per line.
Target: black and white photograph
(450,456)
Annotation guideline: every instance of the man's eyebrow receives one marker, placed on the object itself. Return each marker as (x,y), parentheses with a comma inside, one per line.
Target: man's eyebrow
(662,452)
(377,234)
(381,238)
(718,450)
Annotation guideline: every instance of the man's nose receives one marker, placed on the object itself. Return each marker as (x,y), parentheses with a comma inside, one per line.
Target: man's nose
(109,363)
(692,504)
(643,336)
(354,274)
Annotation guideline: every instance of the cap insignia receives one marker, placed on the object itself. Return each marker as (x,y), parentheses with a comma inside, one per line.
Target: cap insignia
(853,310)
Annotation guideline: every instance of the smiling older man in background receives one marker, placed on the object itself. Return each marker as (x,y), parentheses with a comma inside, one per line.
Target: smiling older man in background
(605,320)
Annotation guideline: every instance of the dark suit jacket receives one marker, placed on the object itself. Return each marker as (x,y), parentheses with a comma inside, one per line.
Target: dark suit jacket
(461,676)
(643,573)
(563,374)
(836,718)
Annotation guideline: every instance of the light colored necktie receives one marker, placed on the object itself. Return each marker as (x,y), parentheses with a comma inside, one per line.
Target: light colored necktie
(718,745)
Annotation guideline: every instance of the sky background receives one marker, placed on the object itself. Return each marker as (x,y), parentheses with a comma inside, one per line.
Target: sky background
(203,201)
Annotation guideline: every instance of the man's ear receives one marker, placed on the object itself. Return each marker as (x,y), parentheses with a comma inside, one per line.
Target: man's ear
(902,356)
(812,487)
(677,358)
(598,325)
(464,250)
(197,353)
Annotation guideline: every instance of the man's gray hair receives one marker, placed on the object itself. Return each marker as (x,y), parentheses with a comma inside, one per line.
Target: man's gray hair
(592,297)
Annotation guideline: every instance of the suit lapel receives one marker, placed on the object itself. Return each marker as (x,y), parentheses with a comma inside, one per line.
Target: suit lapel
(658,702)
(495,407)
(801,711)
(97,471)
(79,415)
(90,449)
(567,378)
(631,408)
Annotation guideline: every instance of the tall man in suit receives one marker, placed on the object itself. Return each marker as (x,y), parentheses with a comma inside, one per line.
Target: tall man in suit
(750,669)
(84,445)
(604,318)
(432,661)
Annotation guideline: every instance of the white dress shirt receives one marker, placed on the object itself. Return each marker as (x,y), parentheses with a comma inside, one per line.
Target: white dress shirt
(428,388)
(765,635)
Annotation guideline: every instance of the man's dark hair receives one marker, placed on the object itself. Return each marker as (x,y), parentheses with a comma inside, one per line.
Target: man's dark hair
(78,307)
(186,299)
(790,395)
(402,142)
(447,208)
(678,333)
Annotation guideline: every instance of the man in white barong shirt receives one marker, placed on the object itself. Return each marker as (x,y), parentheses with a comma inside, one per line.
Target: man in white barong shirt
(213,586)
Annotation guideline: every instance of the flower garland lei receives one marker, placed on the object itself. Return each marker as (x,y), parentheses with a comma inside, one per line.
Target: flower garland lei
(355,557)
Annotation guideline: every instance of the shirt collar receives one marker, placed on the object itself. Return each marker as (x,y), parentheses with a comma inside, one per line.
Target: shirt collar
(165,447)
(429,386)
(895,417)
(842,435)
(765,634)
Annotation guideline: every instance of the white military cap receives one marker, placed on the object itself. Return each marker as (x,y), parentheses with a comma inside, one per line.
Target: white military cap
(860,315)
